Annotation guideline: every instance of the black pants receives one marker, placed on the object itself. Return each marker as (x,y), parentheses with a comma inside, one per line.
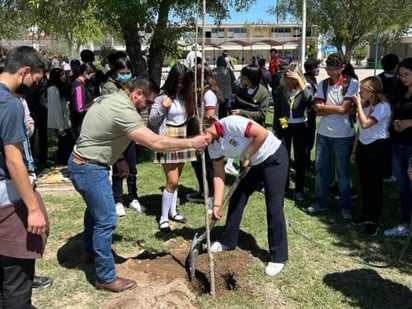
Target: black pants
(39,115)
(369,160)
(311,133)
(197,167)
(296,134)
(130,156)
(273,173)
(16,282)
(64,147)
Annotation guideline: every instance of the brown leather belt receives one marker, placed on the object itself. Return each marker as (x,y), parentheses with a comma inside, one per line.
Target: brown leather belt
(80,161)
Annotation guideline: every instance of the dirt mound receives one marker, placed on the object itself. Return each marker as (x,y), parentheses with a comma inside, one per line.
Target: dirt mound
(163,282)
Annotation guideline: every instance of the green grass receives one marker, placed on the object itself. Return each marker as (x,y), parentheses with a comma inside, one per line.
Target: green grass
(326,267)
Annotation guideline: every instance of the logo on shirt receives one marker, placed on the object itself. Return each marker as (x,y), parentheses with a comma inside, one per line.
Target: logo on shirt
(233,142)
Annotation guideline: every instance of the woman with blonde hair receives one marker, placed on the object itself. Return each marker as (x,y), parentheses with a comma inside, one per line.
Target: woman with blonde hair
(371,146)
(297,96)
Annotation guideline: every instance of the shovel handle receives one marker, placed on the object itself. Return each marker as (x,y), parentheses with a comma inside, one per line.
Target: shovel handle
(226,201)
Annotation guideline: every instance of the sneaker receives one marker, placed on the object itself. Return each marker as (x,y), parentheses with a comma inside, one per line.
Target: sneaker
(401,230)
(390,179)
(120,210)
(345,213)
(218,247)
(65,174)
(136,206)
(333,185)
(315,208)
(362,220)
(353,195)
(195,197)
(231,170)
(272,269)
(371,228)
(41,282)
(299,197)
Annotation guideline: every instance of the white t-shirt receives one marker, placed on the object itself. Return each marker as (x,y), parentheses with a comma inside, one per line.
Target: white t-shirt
(176,115)
(234,139)
(382,115)
(210,102)
(336,125)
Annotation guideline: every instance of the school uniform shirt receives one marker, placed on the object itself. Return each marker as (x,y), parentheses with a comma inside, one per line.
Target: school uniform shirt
(233,140)
(381,114)
(210,102)
(336,125)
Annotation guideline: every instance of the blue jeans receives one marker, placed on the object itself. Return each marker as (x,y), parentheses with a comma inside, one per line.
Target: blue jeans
(92,182)
(328,148)
(400,158)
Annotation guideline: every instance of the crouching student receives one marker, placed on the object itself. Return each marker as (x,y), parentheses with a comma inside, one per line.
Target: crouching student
(241,138)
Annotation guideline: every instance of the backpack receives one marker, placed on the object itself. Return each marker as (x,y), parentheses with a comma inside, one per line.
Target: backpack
(388,83)
(345,86)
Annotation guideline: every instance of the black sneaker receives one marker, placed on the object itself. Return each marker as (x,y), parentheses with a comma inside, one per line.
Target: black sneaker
(360,220)
(371,228)
(42,282)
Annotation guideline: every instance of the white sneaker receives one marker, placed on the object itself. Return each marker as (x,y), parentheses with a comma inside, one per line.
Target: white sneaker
(231,170)
(272,269)
(390,179)
(120,210)
(218,247)
(401,230)
(136,206)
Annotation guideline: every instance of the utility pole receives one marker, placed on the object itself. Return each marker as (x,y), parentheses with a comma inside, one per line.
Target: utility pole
(303,36)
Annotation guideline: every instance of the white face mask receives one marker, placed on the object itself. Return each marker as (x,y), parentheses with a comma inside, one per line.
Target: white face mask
(250,90)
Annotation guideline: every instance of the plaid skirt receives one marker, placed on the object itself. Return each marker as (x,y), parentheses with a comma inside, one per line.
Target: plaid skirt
(180,156)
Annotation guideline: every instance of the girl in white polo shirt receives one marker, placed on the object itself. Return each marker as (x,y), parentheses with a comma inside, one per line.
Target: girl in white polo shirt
(370,149)
(241,138)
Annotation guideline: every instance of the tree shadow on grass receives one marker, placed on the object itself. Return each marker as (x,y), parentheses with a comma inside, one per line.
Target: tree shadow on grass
(71,255)
(379,250)
(367,289)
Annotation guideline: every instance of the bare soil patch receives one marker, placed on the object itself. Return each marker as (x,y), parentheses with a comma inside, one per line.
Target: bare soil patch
(163,281)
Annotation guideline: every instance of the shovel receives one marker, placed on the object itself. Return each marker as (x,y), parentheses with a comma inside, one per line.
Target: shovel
(197,241)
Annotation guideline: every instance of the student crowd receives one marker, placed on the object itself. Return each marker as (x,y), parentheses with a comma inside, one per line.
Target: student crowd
(102,120)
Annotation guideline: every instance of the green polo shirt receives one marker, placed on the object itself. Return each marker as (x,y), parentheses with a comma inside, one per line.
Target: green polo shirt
(103,136)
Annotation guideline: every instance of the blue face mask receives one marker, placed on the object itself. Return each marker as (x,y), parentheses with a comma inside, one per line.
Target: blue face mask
(124,77)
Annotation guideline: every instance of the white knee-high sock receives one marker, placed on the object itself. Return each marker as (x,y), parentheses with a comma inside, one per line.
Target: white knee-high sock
(167,200)
(172,211)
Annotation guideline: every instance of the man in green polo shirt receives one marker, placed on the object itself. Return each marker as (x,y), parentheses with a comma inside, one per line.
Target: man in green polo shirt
(109,125)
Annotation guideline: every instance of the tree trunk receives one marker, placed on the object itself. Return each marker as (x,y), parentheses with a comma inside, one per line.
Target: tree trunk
(134,50)
(157,50)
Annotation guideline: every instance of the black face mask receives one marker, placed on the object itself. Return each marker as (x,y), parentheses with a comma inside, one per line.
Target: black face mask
(26,90)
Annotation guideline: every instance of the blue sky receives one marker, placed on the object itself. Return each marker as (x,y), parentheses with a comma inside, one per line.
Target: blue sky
(255,14)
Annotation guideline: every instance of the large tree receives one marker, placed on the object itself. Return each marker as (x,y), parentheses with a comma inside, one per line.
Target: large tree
(166,20)
(348,22)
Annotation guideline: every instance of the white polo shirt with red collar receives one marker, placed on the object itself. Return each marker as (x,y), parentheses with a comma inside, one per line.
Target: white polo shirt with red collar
(336,125)
(233,140)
